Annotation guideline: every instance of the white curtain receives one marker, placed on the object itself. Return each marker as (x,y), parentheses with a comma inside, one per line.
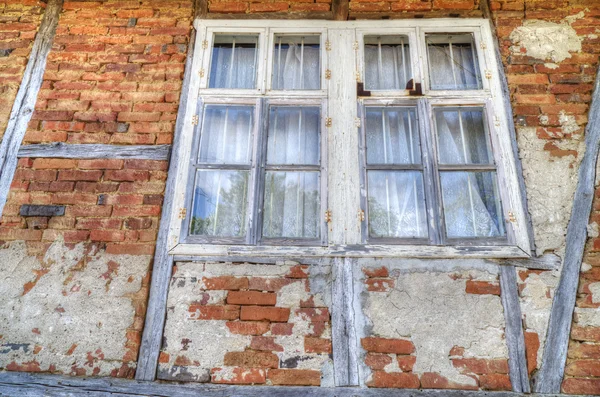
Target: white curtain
(396,198)
(291,203)
(471,200)
(233,66)
(387,66)
(453,67)
(220,196)
(296,65)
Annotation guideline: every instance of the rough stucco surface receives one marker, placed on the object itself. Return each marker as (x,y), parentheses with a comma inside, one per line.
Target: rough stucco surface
(436,313)
(201,344)
(70,311)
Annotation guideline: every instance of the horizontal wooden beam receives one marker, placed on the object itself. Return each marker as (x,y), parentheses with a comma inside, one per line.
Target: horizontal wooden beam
(95,151)
(34,385)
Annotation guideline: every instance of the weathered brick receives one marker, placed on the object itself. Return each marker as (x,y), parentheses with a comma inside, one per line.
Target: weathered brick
(261,313)
(251,359)
(202,312)
(294,377)
(394,380)
(382,345)
(251,298)
(248,327)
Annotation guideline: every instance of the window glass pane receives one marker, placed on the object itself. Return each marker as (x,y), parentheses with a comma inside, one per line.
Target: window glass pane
(296,63)
(387,62)
(462,136)
(233,62)
(453,63)
(226,136)
(396,204)
(471,204)
(293,135)
(291,207)
(220,203)
(392,136)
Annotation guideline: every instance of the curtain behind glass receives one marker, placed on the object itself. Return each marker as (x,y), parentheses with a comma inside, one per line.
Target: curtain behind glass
(296,63)
(387,63)
(233,62)
(453,63)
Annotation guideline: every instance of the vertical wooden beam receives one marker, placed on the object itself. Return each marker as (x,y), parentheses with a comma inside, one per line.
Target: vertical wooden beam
(340,9)
(163,262)
(24,104)
(487,14)
(550,375)
(345,350)
(515,339)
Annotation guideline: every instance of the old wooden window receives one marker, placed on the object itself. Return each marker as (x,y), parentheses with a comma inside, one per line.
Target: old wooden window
(347,138)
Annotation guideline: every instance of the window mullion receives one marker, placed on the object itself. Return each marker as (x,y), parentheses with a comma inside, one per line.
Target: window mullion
(430,174)
(257,192)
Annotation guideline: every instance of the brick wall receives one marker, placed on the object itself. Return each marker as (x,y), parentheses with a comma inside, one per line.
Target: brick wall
(19,21)
(114,73)
(248,324)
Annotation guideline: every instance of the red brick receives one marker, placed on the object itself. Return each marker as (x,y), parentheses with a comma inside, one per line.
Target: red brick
(376,272)
(532,345)
(282,329)
(382,345)
(482,288)
(269,284)
(126,175)
(268,7)
(248,327)
(314,314)
(583,368)
(251,359)
(406,363)
(294,377)
(432,380)
(394,380)
(377,361)
(202,312)
(317,345)
(130,249)
(251,298)
(225,283)
(265,343)
(77,175)
(585,334)
(584,350)
(379,284)
(495,382)
(261,313)
(98,223)
(581,386)
(53,163)
(107,235)
(238,376)
(137,210)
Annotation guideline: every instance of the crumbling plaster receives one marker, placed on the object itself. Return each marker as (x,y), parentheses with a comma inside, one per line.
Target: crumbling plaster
(207,341)
(432,309)
(68,312)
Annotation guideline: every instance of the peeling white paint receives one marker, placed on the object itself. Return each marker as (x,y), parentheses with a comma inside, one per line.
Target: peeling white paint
(547,40)
(77,312)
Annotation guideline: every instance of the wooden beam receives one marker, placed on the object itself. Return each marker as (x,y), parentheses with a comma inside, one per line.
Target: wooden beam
(515,339)
(95,151)
(340,9)
(163,262)
(487,14)
(544,262)
(345,351)
(38,385)
(550,375)
(24,104)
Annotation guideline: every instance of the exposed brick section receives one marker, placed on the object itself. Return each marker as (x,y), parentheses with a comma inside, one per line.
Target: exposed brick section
(264,6)
(19,21)
(415,8)
(98,208)
(114,73)
(482,288)
(378,280)
(382,345)
(269,326)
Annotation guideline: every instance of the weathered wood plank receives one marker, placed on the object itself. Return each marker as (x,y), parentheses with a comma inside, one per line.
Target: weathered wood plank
(515,339)
(340,9)
(25,384)
(96,151)
(505,94)
(163,262)
(550,375)
(24,104)
(342,323)
(544,262)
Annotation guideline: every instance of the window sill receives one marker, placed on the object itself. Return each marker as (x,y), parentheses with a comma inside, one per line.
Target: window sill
(352,251)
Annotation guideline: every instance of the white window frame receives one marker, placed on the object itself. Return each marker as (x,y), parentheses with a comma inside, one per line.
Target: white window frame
(342,58)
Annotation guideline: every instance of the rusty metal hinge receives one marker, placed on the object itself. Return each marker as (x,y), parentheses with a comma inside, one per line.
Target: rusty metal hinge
(182,213)
(357,122)
(361,215)
(204,44)
(488,74)
(511,217)
(328,122)
(327,74)
(328,216)
(195,120)
(328,45)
